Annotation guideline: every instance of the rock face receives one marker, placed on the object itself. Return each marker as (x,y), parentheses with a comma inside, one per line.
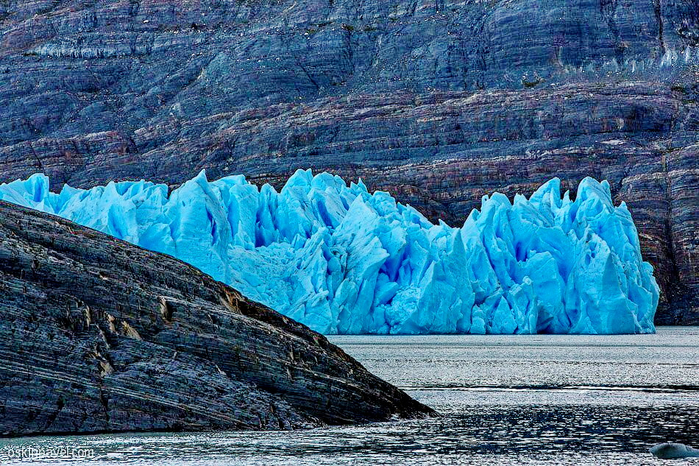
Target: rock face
(437,102)
(98,335)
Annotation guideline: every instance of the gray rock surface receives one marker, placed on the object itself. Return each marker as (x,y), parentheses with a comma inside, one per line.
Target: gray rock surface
(97,335)
(437,101)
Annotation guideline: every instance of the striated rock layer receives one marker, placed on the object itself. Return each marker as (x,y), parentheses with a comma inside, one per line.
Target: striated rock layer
(341,260)
(98,335)
(437,102)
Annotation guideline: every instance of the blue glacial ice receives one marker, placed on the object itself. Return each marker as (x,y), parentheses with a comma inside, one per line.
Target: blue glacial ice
(342,260)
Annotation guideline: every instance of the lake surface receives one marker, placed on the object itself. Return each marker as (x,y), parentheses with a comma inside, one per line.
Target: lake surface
(542,399)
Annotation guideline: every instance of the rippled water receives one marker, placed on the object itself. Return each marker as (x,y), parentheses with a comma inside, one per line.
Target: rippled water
(558,400)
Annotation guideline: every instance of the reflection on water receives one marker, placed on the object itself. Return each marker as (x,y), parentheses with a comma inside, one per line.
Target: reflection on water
(669,358)
(504,400)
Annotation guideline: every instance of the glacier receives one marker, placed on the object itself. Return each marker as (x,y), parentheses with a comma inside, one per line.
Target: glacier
(343,260)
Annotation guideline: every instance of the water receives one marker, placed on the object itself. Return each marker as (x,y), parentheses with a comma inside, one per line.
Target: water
(552,400)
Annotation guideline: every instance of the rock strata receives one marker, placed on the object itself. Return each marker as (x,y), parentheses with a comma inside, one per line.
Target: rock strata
(438,102)
(97,335)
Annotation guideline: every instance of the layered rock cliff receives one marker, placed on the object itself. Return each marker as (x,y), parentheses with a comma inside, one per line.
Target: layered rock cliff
(98,335)
(437,102)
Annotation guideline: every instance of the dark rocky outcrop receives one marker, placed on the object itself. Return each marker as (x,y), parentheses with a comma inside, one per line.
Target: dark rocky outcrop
(99,335)
(437,101)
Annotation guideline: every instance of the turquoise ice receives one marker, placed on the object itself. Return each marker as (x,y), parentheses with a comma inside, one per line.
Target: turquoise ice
(342,260)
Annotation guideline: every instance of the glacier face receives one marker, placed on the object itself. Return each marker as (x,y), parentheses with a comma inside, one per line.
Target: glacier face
(342,260)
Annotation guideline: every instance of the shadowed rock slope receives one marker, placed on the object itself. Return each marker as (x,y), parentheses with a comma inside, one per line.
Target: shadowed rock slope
(97,335)
(437,102)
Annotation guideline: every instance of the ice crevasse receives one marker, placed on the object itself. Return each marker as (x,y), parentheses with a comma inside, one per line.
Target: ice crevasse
(343,260)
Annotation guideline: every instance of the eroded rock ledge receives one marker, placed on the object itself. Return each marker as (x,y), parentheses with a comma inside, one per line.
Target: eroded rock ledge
(97,335)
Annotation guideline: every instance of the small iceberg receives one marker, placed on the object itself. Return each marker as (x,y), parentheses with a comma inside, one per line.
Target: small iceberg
(674,451)
(343,260)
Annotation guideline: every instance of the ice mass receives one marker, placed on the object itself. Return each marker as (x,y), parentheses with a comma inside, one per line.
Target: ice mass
(343,260)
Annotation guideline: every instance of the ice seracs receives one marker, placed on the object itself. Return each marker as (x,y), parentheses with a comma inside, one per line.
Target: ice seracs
(343,260)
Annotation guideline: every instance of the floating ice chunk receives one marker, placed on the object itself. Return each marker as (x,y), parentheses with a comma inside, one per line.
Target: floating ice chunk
(343,260)
(673,451)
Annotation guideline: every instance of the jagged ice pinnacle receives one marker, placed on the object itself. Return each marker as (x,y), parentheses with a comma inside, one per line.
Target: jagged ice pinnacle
(342,260)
